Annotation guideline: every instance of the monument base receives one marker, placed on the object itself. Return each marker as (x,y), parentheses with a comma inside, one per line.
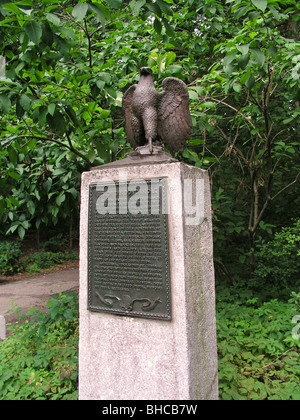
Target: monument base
(136,358)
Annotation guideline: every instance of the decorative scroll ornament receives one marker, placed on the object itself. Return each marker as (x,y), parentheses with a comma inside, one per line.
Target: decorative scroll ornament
(126,302)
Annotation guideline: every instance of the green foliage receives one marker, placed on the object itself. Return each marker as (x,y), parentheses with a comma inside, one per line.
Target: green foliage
(258,355)
(39,361)
(11,260)
(10,253)
(258,350)
(278,263)
(54,243)
(67,66)
(45,191)
(45,259)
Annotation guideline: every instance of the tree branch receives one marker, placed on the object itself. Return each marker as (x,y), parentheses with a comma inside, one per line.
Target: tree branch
(236,110)
(287,186)
(224,270)
(52,139)
(269,200)
(89,43)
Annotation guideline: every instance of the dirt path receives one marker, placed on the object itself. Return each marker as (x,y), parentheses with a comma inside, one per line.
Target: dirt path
(35,291)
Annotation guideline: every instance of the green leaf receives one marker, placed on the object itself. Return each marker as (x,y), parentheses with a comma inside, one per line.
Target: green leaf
(171,56)
(13,156)
(275,13)
(250,81)
(34,31)
(136,6)
(244,78)
(12,228)
(98,12)
(100,84)
(157,25)
(25,224)
(209,104)
(31,207)
(190,154)
(244,49)
(243,61)
(14,201)
(60,199)
(19,110)
(14,175)
(106,77)
(43,111)
(25,102)
(79,11)
(68,314)
(112,92)
(193,95)
(196,142)
(258,56)
(53,19)
(154,8)
(47,35)
(272,51)
(21,232)
(31,145)
(12,8)
(115,4)
(165,8)
(241,11)
(53,312)
(57,122)
(5,103)
(228,67)
(73,192)
(260,4)
(237,87)
(51,109)
(208,160)
(51,303)
(72,114)
(174,68)
(59,171)
(169,30)
(47,185)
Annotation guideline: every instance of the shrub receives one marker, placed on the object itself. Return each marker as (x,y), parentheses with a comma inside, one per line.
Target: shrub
(39,361)
(258,355)
(54,243)
(10,252)
(45,259)
(278,264)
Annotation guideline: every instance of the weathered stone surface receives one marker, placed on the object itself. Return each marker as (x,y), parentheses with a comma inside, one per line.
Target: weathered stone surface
(135,358)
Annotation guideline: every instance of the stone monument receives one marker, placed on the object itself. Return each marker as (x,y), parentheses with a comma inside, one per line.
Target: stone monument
(147,301)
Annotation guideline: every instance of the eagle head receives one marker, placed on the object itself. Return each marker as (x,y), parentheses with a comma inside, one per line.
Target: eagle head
(145,71)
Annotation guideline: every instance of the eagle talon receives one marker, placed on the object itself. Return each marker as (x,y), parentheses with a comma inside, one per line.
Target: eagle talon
(150,146)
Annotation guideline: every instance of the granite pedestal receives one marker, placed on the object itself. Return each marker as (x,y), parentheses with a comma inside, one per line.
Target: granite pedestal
(136,358)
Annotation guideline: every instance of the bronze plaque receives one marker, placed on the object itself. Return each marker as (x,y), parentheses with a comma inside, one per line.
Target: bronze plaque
(128,253)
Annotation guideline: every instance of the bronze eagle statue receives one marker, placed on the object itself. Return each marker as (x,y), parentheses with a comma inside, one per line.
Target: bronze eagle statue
(152,116)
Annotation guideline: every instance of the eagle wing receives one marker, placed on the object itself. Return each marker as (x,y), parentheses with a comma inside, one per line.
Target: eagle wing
(126,106)
(174,119)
